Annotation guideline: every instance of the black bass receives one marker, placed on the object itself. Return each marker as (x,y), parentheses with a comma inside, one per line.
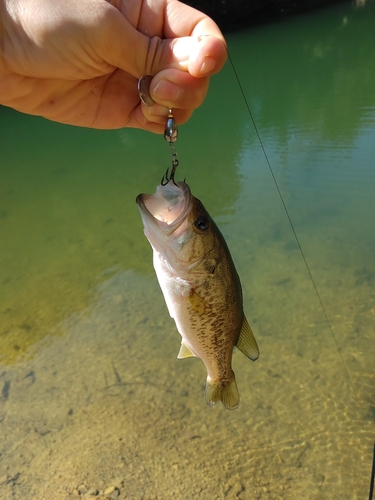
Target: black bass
(200,284)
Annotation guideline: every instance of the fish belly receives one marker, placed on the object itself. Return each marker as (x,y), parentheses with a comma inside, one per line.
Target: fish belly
(203,325)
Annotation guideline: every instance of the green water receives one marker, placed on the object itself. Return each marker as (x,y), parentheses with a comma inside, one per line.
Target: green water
(91,391)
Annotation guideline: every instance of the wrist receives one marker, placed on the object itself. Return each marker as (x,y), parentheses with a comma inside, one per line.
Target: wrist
(9,80)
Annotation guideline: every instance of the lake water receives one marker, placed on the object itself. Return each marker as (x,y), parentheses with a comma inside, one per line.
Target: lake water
(91,392)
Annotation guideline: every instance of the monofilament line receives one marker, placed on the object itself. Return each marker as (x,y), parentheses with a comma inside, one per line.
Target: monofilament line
(372,480)
(289,218)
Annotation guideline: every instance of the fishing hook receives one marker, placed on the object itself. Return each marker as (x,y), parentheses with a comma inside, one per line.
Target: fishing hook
(170,135)
(167,178)
(170,131)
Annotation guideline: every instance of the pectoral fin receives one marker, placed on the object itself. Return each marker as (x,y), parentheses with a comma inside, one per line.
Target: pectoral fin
(246,342)
(185,352)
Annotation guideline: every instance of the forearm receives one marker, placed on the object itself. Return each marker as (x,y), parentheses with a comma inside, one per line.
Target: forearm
(5,80)
(11,87)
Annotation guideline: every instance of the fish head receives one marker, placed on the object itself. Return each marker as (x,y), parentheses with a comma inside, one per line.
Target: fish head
(177,226)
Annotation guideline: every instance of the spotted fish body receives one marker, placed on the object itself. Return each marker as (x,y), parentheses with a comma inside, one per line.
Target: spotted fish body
(200,284)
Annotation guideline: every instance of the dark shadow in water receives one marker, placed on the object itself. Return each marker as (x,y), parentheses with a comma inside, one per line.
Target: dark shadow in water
(320,76)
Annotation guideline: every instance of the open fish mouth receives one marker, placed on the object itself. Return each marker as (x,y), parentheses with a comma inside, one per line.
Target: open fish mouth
(167,207)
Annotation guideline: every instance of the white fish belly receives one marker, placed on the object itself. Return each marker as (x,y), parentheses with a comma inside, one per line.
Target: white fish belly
(201,328)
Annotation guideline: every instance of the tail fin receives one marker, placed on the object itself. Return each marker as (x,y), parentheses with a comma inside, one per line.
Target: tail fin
(226,392)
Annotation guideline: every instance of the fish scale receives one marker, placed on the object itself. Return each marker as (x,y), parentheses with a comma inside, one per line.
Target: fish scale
(200,285)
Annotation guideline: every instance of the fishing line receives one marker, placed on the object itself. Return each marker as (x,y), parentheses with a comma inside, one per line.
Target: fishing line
(289,218)
(372,480)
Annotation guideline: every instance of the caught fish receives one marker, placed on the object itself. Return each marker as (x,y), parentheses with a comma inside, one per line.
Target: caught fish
(200,284)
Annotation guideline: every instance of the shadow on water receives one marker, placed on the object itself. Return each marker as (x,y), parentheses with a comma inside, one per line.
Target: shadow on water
(91,393)
(317,79)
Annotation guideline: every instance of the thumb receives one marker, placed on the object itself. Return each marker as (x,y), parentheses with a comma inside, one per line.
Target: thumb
(198,55)
(124,47)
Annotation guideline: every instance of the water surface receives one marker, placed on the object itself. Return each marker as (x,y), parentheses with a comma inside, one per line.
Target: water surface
(91,392)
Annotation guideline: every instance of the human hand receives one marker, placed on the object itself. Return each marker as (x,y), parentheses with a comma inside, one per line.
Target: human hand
(79,61)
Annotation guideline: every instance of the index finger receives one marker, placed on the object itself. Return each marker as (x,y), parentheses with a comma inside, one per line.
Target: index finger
(211,52)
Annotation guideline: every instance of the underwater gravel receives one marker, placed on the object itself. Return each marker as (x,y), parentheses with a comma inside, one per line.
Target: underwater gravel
(100,413)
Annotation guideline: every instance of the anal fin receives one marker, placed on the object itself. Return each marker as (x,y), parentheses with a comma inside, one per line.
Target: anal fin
(246,342)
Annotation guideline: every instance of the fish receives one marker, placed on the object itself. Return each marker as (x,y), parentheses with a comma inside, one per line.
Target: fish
(200,284)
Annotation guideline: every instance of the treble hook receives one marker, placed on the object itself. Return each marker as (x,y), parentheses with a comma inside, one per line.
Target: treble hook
(167,178)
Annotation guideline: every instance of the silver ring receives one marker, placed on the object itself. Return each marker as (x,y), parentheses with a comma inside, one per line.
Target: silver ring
(144,90)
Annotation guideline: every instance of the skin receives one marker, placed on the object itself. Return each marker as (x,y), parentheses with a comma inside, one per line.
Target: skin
(209,314)
(78,61)
(205,300)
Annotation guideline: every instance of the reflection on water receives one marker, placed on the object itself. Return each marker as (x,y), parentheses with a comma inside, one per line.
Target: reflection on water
(91,392)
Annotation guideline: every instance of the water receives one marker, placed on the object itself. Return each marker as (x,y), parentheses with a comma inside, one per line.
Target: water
(91,391)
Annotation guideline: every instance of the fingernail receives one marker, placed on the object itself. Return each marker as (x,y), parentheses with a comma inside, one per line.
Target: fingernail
(167,91)
(208,65)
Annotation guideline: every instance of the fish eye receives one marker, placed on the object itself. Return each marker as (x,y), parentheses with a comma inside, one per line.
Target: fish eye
(202,223)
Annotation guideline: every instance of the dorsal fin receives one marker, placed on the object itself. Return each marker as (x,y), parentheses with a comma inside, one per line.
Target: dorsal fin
(246,342)
(185,352)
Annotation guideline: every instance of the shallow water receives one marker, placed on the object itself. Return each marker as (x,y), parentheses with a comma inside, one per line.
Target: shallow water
(91,392)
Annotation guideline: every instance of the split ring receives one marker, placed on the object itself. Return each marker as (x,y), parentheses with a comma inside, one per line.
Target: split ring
(144,90)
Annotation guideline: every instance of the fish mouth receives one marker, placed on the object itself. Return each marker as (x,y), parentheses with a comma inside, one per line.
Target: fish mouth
(167,207)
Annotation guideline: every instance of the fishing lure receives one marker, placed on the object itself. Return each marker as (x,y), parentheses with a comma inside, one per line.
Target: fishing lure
(170,132)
